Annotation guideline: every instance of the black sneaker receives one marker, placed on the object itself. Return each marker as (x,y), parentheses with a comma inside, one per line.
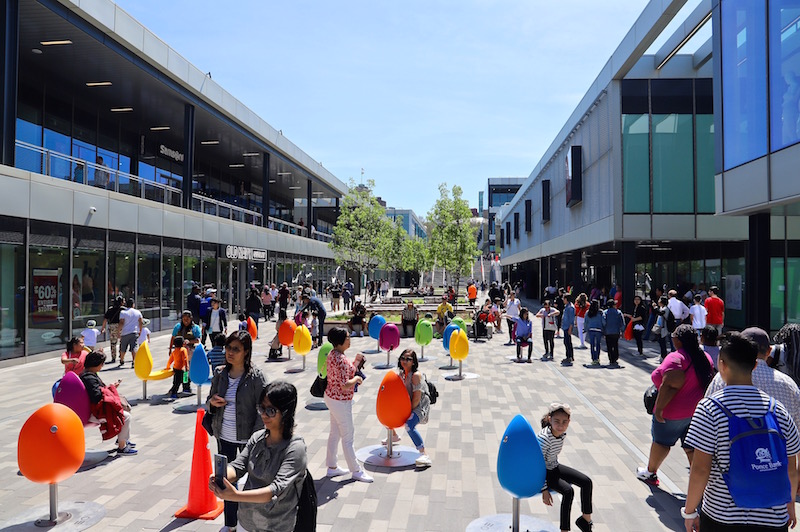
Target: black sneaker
(566,362)
(583,524)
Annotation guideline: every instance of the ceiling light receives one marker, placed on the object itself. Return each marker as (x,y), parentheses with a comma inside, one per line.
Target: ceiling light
(36,51)
(98,83)
(318,193)
(55,43)
(121,109)
(236,165)
(284,173)
(294,188)
(272,181)
(608,252)
(649,245)
(209,142)
(251,154)
(159,128)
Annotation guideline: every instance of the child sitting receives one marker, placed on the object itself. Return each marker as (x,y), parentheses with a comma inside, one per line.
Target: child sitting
(106,405)
(242,321)
(90,334)
(216,357)
(314,327)
(178,360)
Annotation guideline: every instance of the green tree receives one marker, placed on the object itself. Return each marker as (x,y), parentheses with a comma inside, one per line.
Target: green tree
(416,257)
(360,229)
(453,243)
(391,246)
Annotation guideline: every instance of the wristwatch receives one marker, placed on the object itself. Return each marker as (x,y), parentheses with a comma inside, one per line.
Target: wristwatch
(692,515)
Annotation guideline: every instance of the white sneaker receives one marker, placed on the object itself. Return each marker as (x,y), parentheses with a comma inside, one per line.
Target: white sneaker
(336,472)
(423,461)
(361,334)
(362,476)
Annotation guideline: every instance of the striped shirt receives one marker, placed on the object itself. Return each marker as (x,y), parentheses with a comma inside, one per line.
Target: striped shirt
(229,413)
(771,382)
(708,433)
(551,446)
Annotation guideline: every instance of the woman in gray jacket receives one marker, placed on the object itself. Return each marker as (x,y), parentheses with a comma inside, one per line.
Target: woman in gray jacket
(232,400)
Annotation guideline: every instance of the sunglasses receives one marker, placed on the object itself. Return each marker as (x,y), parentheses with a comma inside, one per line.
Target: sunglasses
(269,411)
(407,359)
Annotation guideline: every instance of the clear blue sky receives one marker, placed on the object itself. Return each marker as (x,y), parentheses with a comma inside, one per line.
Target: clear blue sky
(415,92)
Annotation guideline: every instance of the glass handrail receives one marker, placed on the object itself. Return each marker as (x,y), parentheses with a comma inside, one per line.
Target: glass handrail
(214,207)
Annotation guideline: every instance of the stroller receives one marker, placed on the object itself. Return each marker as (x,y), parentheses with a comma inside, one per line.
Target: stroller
(480,324)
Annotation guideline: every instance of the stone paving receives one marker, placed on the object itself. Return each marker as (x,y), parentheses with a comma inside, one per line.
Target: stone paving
(609,437)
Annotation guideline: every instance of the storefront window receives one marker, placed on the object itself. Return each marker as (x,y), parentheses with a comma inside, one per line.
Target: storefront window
(673,172)
(793,290)
(744,81)
(704,131)
(733,292)
(54,293)
(12,288)
(777,301)
(89,265)
(121,248)
(784,72)
(191,268)
(171,306)
(636,163)
(210,264)
(148,281)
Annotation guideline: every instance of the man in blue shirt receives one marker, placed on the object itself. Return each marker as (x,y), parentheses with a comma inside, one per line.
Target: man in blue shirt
(613,327)
(567,322)
(312,303)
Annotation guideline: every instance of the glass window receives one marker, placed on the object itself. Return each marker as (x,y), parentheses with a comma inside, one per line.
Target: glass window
(26,158)
(777,302)
(210,264)
(171,297)
(89,266)
(191,267)
(704,134)
(733,293)
(672,96)
(673,172)
(148,280)
(635,99)
(636,163)
(12,288)
(52,295)
(744,81)
(793,290)
(784,72)
(120,264)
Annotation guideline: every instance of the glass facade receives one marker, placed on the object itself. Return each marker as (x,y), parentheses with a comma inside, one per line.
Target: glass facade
(667,146)
(784,73)
(12,288)
(744,80)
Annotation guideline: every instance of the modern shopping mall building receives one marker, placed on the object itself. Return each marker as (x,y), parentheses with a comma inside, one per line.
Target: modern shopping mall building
(126,170)
(678,167)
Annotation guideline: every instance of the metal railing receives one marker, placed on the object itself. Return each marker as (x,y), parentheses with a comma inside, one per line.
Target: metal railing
(322,237)
(286,227)
(225,210)
(50,163)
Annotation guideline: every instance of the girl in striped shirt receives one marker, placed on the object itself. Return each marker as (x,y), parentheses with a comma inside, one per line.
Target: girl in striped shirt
(561,478)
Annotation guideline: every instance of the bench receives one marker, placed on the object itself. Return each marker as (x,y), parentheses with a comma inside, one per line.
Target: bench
(143,367)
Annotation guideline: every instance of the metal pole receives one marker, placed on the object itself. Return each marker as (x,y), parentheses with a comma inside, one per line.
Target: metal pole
(515,515)
(389,443)
(388,357)
(304,362)
(460,364)
(290,352)
(53,502)
(199,387)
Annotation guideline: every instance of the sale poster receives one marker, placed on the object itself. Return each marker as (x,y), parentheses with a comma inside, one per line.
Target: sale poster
(44,295)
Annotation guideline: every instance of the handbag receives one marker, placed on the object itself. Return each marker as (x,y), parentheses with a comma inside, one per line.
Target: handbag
(208,419)
(650,397)
(629,331)
(319,386)
(656,329)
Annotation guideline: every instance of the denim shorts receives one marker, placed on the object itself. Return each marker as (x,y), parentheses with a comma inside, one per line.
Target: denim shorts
(669,432)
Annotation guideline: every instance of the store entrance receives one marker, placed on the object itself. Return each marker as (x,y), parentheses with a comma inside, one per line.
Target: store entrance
(232,284)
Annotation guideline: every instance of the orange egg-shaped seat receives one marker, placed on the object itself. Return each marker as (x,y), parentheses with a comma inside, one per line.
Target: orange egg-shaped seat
(393,404)
(51,444)
(251,328)
(286,332)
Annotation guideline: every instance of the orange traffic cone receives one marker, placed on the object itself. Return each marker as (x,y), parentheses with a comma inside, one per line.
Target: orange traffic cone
(203,504)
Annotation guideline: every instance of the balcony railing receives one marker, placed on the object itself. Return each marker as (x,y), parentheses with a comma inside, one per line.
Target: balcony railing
(286,227)
(225,210)
(50,163)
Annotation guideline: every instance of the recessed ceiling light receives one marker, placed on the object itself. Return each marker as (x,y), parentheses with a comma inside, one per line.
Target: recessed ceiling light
(55,43)
(159,128)
(608,252)
(318,193)
(209,142)
(251,154)
(284,173)
(294,188)
(98,83)
(236,165)
(36,51)
(272,181)
(121,109)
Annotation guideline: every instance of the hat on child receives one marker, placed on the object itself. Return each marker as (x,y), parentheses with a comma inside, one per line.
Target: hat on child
(91,323)
(146,322)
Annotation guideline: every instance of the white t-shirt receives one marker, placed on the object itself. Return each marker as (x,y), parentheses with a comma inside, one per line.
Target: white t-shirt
(229,412)
(512,308)
(90,337)
(698,313)
(213,322)
(143,336)
(131,317)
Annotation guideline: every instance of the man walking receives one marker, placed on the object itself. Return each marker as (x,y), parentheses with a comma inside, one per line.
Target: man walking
(567,322)
(716,309)
(130,323)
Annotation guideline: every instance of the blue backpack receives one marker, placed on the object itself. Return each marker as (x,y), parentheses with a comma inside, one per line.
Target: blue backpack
(757,459)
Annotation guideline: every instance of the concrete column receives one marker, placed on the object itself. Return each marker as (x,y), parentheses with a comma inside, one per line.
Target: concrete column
(309,208)
(627,277)
(265,189)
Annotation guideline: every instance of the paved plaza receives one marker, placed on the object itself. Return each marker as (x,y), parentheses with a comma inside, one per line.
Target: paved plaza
(608,438)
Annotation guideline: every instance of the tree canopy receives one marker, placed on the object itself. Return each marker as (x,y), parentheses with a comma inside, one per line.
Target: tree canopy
(360,229)
(452,238)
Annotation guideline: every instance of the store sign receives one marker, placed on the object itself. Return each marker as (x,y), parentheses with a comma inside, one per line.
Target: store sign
(175,155)
(45,295)
(245,253)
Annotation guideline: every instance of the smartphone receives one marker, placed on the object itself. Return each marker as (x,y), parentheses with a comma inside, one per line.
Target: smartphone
(220,469)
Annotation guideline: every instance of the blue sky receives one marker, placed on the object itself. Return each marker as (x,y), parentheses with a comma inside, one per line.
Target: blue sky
(415,92)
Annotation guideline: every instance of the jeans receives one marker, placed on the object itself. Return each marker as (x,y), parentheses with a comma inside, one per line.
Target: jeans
(568,344)
(411,429)
(651,320)
(548,341)
(579,324)
(561,480)
(177,380)
(612,344)
(637,335)
(256,316)
(594,343)
(341,416)
(662,344)
(230,450)
(520,341)
(510,324)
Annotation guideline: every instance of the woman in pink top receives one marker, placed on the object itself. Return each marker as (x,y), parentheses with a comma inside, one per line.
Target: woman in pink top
(74,357)
(342,380)
(681,379)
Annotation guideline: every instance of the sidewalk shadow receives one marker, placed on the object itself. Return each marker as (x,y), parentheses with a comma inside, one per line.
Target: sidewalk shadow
(668,507)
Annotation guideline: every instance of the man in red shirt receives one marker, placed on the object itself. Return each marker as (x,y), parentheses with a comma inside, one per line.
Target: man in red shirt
(716,309)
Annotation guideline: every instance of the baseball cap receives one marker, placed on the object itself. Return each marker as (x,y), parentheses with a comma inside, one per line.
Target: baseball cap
(759,336)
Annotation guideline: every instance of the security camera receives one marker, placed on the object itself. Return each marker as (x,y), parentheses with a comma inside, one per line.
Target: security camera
(92,210)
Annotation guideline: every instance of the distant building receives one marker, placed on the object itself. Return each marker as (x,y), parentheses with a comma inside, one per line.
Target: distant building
(499,191)
(411,222)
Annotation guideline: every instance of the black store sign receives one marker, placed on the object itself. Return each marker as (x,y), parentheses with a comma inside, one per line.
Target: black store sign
(243,253)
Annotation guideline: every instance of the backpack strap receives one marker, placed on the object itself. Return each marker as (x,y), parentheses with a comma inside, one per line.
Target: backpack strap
(722,407)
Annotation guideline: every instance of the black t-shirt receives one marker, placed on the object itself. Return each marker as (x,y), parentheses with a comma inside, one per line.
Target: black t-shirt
(112,314)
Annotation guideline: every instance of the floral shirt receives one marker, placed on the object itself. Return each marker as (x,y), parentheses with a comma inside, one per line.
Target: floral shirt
(340,370)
